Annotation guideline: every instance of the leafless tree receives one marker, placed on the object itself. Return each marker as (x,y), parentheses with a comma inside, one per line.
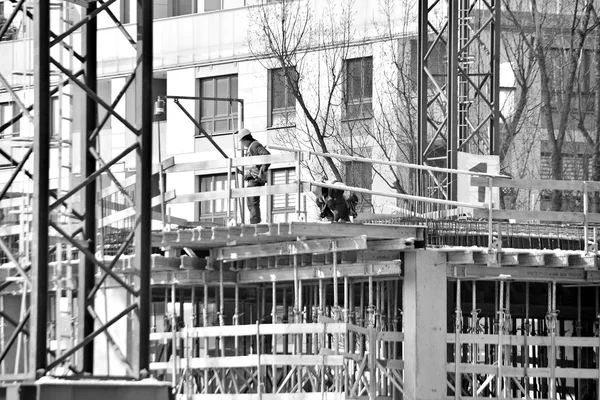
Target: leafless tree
(556,40)
(310,48)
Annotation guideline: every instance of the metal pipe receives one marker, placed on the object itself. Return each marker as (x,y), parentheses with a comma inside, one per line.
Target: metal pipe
(335,281)
(392,163)
(174,354)
(41,186)
(18,330)
(552,328)
(457,345)
(500,311)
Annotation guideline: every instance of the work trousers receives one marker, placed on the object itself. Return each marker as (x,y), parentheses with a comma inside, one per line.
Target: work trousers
(254,202)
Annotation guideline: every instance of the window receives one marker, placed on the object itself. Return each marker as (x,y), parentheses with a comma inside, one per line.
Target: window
(359,88)
(282,103)
(104,92)
(360,174)
(214,210)
(212,5)
(173,8)
(55,117)
(283,206)
(7,111)
(577,161)
(559,69)
(218,116)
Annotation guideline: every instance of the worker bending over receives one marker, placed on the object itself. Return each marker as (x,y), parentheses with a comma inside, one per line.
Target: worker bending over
(334,204)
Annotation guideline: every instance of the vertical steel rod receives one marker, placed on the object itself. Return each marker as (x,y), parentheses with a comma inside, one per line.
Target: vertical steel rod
(457,345)
(41,178)
(143,186)
(88,195)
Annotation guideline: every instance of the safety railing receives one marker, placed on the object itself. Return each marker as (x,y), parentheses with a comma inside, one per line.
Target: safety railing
(269,359)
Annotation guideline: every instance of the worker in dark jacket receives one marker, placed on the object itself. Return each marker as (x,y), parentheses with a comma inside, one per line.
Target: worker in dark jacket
(257,174)
(334,204)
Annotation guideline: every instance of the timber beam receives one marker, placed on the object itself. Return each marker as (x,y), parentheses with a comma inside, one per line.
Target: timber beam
(357,270)
(523,274)
(205,237)
(316,246)
(522,258)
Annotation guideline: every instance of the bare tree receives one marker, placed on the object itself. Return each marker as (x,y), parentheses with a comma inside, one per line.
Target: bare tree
(310,48)
(12,31)
(519,130)
(556,41)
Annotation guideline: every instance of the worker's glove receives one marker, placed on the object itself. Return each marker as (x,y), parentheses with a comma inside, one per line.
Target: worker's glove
(258,177)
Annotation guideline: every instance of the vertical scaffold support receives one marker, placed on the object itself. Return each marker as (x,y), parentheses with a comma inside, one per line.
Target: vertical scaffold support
(87,268)
(41,187)
(143,243)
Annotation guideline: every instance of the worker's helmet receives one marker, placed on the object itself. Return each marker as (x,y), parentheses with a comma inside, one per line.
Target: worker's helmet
(245,134)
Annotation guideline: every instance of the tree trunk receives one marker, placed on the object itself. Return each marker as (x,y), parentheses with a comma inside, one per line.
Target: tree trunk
(596,156)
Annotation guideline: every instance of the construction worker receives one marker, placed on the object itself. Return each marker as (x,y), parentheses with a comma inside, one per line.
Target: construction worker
(257,174)
(335,205)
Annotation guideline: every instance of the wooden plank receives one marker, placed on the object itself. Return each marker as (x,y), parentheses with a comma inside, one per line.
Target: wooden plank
(518,372)
(279,396)
(555,216)
(539,184)
(171,165)
(371,255)
(237,192)
(112,189)
(252,330)
(391,244)
(13,202)
(185,277)
(379,269)
(252,361)
(373,231)
(493,370)
(129,212)
(539,274)
(303,359)
(460,257)
(386,336)
(317,246)
(393,364)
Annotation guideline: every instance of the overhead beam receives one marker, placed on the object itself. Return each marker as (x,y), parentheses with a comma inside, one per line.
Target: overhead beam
(317,246)
(379,269)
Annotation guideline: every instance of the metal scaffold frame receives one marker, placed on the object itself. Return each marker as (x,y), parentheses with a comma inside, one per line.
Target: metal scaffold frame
(458,109)
(66,218)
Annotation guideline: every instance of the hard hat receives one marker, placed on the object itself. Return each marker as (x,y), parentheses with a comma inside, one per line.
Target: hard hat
(245,134)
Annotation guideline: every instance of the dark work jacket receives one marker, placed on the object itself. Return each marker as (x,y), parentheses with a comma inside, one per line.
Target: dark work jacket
(257,149)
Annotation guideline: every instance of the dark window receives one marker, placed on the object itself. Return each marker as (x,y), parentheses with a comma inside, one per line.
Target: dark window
(214,210)
(282,103)
(360,174)
(359,88)
(576,158)
(283,206)
(55,117)
(218,116)
(7,111)
(559,70)
(212,5)
(104,92)
(182,7)
(173,8)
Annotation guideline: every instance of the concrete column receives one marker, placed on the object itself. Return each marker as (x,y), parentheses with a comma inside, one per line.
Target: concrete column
(425,315)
